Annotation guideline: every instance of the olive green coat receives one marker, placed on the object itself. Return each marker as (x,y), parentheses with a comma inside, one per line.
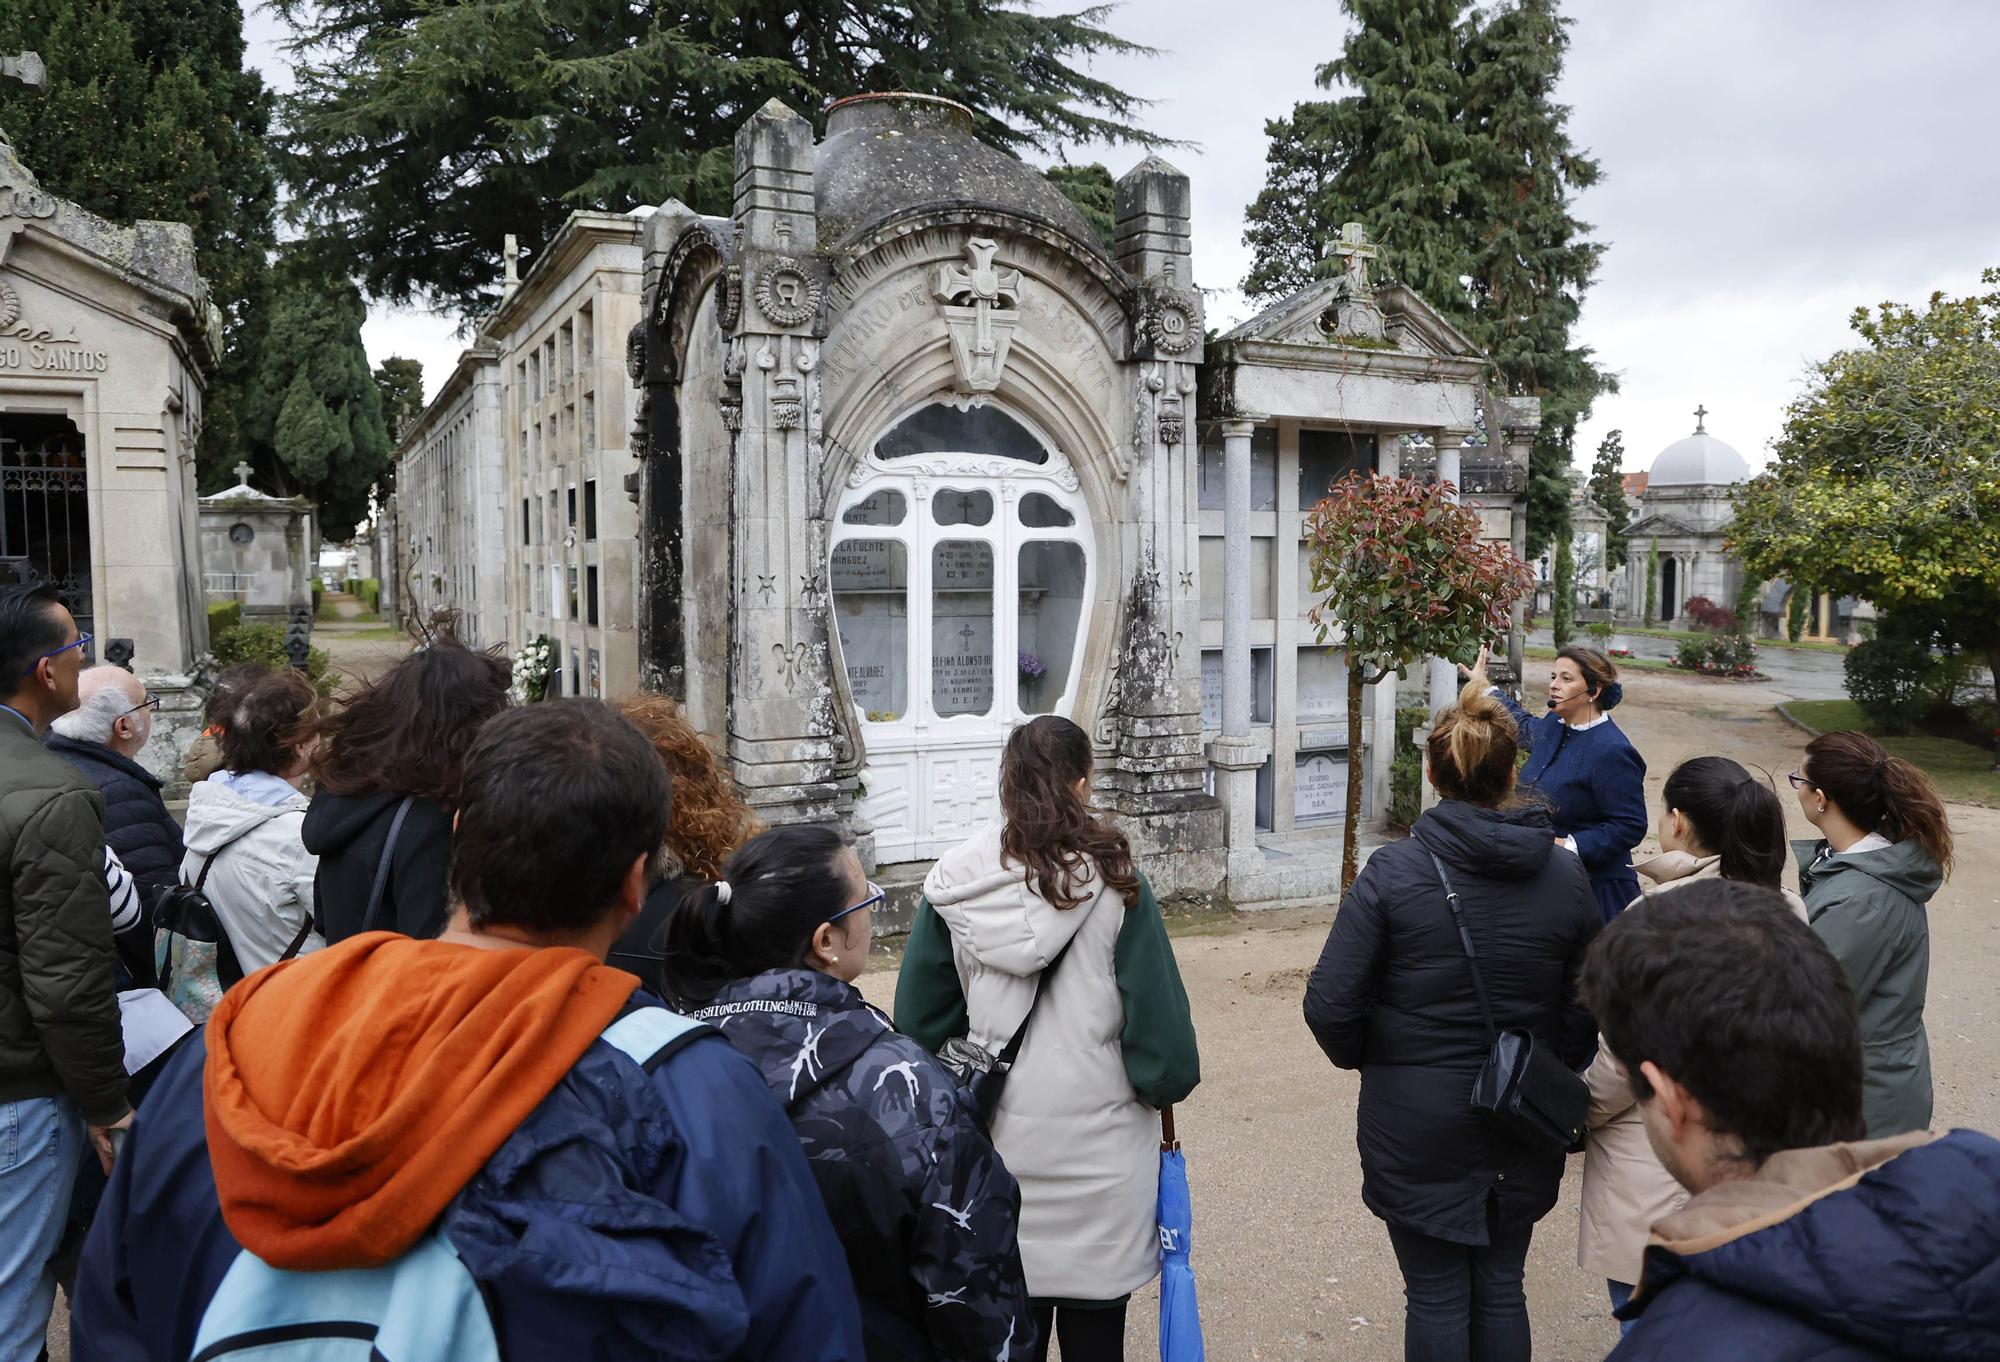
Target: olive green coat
(1870,909)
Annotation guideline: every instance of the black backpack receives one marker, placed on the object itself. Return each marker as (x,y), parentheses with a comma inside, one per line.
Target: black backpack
(184,910)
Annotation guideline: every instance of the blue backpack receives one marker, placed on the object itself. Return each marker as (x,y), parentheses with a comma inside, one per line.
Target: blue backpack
(423,1307)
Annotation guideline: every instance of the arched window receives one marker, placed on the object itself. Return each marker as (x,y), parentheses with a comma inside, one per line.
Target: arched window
(942,428)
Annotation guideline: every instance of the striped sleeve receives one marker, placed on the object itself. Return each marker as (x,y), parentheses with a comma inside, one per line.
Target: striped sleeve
(125,914)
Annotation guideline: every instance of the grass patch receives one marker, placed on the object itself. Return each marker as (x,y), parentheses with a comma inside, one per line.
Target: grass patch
(1636,664)
(385,634)
(1962,771)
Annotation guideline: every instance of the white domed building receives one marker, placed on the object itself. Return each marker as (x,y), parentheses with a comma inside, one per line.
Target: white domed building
(1684,510)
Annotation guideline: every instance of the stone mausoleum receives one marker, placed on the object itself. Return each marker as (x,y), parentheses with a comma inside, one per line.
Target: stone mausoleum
(921,457)
(106,332)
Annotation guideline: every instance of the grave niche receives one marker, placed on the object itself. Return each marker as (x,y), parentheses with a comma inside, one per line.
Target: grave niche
(1319,786)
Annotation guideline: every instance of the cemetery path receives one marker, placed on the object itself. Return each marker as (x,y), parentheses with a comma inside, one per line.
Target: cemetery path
(1289,1263)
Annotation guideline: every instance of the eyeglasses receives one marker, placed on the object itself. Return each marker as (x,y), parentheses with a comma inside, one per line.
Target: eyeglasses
(875,896)
(80,641)
(151,702)
(1799,782)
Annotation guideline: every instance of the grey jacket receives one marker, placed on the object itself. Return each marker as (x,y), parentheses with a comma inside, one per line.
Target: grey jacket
(59,1029)
(1869,908)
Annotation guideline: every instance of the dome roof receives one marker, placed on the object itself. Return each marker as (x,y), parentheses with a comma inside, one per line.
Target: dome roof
(1699,460)
(885,155)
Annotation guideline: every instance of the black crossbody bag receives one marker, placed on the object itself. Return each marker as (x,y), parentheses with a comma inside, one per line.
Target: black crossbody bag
(979,1071)
(1523,1089)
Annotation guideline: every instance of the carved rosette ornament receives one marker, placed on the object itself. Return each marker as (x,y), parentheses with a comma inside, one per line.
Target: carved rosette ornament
(729,297)
(1173,429)
(787,294)
(635,353)
(1174,325)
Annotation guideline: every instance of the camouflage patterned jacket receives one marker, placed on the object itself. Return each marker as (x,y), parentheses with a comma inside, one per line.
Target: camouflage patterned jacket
(923,1205)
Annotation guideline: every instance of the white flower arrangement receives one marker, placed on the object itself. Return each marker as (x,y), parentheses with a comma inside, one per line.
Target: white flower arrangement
(531,671)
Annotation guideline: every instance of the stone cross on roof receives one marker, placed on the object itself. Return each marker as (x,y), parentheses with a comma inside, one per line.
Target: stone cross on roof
(1699,413)
(1356,250)
(242,472)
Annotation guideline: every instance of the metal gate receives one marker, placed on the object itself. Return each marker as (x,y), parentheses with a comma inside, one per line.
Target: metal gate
(44,510)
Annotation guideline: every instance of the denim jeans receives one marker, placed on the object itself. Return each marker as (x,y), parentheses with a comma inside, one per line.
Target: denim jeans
(1620,1293)
(41,1141)
(1464,1303)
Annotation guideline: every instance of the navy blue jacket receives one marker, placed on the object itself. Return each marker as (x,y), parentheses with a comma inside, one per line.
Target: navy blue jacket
(349,834)
(1905,1264)
(136,823)
(923,1205)
(705,1240)
(1595,783)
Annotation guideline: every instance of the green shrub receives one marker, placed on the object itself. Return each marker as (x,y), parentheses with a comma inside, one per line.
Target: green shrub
(264,644)
(224,615)
(319,593)
(1891,679)
(370,591)
(1795,613)
(1406,768)
(1717,655)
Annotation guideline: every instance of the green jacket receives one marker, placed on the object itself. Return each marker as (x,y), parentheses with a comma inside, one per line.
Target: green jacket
(59,1029)
(1158,1041)
(1869,908)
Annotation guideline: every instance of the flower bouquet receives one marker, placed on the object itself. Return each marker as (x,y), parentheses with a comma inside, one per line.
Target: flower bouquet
(533,666)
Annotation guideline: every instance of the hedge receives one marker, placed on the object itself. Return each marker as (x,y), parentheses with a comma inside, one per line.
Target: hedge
(264,644)
(370,591)
(223,615)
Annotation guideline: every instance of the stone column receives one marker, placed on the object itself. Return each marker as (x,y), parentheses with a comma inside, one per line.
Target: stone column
(1389,455)
(1235,757)
(1521,422)
(1444,672)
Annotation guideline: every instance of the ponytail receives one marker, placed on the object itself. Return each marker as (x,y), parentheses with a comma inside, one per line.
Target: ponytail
(1736,816)
(777,890)
(1046,828)
(1472,747)
(1880,793)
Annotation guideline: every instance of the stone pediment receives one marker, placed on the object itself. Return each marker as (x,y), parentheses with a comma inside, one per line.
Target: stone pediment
(1316,315)
(1662,526)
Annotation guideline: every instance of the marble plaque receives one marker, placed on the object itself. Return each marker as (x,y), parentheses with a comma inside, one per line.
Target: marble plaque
(1211,690)
(1319,786)
(868,565)
(872,642)
(961,664)
(1322,684)
(962,565)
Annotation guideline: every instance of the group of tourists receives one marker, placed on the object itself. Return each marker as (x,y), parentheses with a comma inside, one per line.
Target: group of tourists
(1743,1068)
(460,1030)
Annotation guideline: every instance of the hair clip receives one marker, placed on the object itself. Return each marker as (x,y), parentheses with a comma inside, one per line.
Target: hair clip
(722,892)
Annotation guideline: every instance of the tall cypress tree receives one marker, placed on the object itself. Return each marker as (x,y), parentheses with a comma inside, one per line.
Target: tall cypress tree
(1607,489)
(1447,143)
(149,113)
(420,132)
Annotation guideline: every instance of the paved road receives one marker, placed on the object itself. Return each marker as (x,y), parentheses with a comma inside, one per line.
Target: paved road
(1801,673)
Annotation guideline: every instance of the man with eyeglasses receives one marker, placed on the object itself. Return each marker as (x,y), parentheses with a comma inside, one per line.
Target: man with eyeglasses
(62,1052)
(102,738)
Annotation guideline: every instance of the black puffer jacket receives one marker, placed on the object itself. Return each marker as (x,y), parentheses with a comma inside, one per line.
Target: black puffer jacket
(1392,996)
(59,1029)
(348,834)
(925,1209)
(136,823)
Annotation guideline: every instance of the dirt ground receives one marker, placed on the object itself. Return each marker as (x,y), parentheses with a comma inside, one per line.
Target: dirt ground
(1289,1263)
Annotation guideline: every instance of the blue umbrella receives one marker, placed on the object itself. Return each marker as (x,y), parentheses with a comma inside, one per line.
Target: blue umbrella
(1180,1319)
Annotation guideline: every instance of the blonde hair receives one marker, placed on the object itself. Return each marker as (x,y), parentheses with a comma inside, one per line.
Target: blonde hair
(1472,749)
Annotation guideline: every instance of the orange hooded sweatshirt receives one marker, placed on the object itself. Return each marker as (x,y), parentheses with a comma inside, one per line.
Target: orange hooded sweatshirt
(352,1093)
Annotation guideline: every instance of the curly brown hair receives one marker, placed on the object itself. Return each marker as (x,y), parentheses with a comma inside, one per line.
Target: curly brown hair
(1051,831)
(709,819)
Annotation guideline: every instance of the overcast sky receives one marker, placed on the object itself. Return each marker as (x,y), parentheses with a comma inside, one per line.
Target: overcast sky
(1769,166)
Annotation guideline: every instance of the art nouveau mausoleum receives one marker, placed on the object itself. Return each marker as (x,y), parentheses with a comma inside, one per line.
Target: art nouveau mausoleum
(920,457)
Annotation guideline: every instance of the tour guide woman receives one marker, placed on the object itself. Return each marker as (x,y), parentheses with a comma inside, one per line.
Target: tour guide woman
(1581,763)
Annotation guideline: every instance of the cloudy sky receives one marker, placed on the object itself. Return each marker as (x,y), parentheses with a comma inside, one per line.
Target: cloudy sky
(1769,166)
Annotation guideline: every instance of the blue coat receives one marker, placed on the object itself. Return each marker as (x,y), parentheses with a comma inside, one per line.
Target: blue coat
(136,823)
(705,1240)
(1900,1265)
(923,1205)
(1595,782)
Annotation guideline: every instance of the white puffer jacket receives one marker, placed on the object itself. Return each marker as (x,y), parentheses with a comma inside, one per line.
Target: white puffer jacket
(262,880)
(1070,1127)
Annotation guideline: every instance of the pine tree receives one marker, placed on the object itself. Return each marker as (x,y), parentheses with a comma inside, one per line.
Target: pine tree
(1448,145)
(419,133)
(314,410)
(1563,593)
(1095,194)
(1607,489)
(401,382)
(149,113)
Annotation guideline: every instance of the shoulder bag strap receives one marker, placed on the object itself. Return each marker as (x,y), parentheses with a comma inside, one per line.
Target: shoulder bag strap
(299,941)
(1465,940)
(382,867)
(1007,1056)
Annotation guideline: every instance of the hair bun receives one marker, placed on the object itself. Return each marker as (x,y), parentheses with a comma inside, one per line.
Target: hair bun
(1608,698)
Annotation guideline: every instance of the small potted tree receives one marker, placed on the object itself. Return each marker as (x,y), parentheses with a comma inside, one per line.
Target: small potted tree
(1405,574)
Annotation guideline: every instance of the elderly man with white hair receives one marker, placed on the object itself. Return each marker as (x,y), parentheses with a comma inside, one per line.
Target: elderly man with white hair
(102,738)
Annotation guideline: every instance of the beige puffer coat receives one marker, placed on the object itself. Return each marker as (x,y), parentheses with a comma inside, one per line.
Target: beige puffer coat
(1625,1188)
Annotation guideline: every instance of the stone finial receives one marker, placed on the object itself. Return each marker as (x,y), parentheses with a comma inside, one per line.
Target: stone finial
(1355,251)
(27,68)
(1700,412)
(1153,208)
(510,251)
(775,157)
(243,472)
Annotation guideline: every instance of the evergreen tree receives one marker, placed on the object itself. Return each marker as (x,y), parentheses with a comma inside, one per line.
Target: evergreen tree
(401,382)
(1448,144)
(1653,582)
(419,133)
(1607,489)
(149,113)
(1562,593)
(1094,193)
(314,410)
